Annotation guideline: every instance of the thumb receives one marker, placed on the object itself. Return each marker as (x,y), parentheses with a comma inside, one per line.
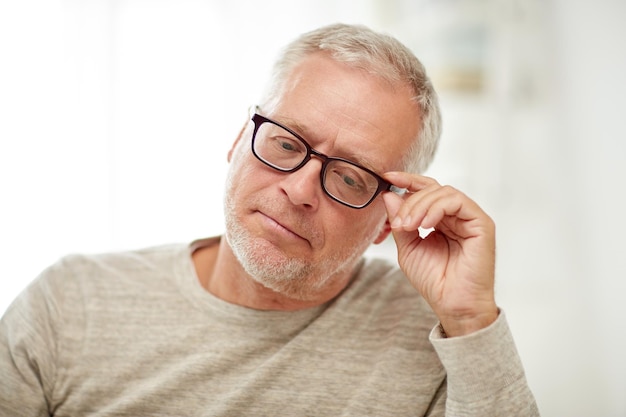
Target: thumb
(393,202)
(392,205)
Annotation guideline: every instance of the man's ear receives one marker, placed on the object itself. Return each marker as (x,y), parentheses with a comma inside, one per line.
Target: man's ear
(239,136)
(384,232)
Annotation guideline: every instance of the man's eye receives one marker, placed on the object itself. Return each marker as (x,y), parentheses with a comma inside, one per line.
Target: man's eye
(349,178)
(287,145)
(350,181)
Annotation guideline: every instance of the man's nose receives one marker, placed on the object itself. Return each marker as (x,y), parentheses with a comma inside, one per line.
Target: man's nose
(303,187)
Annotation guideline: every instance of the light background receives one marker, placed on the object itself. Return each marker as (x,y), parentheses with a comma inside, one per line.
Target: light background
(116,117)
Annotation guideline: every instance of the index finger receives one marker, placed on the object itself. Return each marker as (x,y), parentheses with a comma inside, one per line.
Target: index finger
(410,182)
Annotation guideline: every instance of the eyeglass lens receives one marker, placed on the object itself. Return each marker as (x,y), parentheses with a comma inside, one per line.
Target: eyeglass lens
(342,180)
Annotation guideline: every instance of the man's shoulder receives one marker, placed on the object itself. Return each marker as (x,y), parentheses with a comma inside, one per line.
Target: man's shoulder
(380,280)
(381,272)
(381,300)
(122,259)
(109,269)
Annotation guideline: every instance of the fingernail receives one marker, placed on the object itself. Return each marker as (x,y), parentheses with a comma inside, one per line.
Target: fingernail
(397,222)
(407,221)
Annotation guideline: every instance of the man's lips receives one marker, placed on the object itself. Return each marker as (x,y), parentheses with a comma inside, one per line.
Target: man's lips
(281,227)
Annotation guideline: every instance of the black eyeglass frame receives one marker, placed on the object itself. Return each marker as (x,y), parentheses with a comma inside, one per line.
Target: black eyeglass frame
(383,185)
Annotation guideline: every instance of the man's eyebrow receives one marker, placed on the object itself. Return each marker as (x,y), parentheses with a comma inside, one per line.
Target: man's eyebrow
(362,161)
(305,133)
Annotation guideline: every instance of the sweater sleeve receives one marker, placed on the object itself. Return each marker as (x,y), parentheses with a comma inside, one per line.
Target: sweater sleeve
(485,376)
(29,346)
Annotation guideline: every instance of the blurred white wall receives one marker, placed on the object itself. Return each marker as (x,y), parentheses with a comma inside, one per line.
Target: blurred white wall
(116,116)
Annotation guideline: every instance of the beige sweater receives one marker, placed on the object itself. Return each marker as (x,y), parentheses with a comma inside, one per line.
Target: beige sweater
(134,334)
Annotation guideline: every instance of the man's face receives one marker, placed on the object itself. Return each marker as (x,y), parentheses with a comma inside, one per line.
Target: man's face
(288,234)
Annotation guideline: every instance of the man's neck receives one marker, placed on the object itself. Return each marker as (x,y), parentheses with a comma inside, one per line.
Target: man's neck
(220,273)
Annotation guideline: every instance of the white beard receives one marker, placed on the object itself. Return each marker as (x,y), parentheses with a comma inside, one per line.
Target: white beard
(296,278)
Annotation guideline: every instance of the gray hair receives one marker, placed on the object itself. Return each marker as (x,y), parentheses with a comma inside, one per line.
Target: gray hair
(376,53)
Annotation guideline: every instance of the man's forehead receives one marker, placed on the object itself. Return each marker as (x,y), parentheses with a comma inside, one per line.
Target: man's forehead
(322,99)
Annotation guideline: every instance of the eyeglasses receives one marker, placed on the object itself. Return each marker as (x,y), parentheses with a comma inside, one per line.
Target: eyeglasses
(344,181)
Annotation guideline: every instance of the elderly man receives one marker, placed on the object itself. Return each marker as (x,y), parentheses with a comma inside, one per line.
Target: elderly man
(283,315)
